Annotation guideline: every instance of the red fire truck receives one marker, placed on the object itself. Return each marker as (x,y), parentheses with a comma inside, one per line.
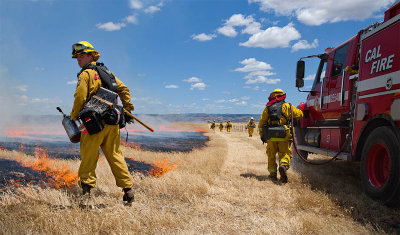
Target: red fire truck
(353,108)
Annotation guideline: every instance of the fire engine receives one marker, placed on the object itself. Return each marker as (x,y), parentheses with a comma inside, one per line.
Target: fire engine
(353,108)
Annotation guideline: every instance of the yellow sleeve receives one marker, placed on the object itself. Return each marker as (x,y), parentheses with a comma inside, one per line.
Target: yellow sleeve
(263,120)
(124,95)
(297,113)
(81,94)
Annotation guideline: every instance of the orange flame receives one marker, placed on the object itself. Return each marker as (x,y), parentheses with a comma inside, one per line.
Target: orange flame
(201,130)
(58,176)
(161,167)
(131,145)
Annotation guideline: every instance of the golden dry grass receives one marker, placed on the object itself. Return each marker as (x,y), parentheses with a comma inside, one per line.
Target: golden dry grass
(219,189)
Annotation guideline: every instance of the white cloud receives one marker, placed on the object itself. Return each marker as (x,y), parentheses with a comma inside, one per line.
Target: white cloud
(303,44)
(131,19)
(39,69)
(242,103)
(261,79)
(135,4)
(203,37)
(171,86)
(259,73)
(251,65)
(239,20)
(22,88)
(256,88)
(198,85)
(192,79)
(110,26)
(252,28)
(74,82)
(233,100)
(228,31)
(273,37)
(245,98)
(317,12)
(205,99)
(310,77)
(152,9)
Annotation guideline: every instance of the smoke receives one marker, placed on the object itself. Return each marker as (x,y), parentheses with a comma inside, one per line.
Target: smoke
(9,109)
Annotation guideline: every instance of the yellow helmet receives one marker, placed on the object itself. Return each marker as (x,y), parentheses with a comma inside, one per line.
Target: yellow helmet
(276,92)
(84,47)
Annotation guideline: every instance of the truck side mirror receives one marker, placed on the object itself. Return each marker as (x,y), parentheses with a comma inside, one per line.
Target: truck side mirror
(300,73)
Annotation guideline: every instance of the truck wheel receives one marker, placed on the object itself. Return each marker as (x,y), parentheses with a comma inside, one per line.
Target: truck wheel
(380,166)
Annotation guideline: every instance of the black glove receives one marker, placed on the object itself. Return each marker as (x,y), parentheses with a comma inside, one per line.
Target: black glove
(128,118)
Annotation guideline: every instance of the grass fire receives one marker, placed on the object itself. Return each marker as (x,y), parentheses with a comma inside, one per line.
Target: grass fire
(217,187)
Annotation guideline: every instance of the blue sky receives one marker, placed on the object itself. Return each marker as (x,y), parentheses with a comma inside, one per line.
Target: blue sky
(176,56)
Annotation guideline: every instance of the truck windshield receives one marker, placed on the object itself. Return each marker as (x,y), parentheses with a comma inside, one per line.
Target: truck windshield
(320,75)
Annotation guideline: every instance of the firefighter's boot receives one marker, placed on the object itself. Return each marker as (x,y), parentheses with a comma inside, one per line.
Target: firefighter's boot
(282,171)
(86,189)
(128,195)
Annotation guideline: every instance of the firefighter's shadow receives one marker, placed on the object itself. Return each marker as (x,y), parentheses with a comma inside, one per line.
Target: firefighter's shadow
(258,177)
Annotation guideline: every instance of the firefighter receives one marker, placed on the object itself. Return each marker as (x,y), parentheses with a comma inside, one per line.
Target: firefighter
(109,137)
(251,124)
(228,126)
(213,125)
(221,127)
(277,113)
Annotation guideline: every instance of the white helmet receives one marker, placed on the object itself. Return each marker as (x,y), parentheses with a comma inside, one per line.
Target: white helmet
(252,118)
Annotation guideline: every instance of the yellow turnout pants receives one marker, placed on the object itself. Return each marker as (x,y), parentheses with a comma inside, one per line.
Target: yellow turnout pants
(251,130)
(284,152)
(109,141)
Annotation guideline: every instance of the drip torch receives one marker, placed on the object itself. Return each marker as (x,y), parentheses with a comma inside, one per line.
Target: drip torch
(71,127)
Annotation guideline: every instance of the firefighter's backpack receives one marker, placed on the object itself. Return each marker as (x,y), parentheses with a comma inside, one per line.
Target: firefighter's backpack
(274,131)
(94,112)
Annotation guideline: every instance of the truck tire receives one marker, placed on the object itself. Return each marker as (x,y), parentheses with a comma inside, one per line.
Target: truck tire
(380,166)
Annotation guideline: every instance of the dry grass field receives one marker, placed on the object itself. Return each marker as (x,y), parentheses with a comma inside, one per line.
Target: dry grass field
(220,189)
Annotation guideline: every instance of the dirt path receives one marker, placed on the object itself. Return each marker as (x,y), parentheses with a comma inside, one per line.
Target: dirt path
(257,205)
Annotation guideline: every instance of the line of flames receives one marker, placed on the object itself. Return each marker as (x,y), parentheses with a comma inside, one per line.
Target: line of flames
(58,176)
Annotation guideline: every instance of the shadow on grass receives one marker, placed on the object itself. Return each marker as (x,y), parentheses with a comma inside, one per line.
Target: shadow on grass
(259,177)
(340,180)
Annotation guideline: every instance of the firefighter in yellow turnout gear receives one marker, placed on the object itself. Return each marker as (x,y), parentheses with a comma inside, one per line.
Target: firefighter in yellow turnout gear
(251,124)
(221,126)
(108,138)
(213,125)
(280,146)
(228,126)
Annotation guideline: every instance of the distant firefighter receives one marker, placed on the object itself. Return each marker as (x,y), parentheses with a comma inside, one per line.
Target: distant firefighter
(251,124)
(228,126)
(213,125)
(221,126)
(274,128)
